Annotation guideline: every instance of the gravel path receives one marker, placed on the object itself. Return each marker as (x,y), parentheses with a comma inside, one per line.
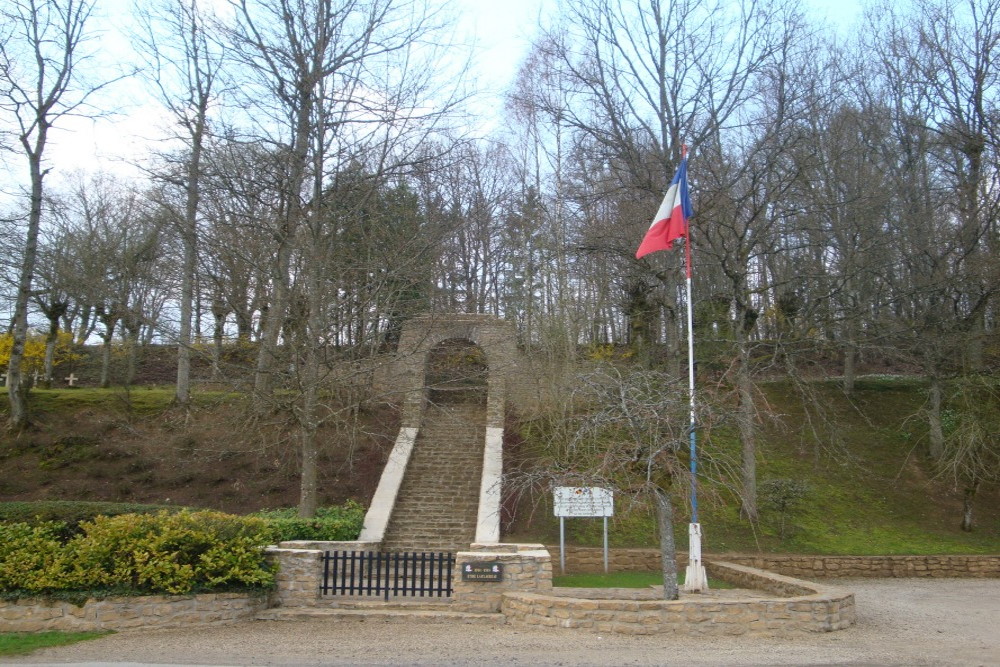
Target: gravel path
(900,622)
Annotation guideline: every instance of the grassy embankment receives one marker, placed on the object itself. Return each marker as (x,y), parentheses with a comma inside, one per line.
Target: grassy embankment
(135,446)
(869,486)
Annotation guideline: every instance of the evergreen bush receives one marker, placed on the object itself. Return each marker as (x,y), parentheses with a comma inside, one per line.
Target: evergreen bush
(137,554)
(335,524)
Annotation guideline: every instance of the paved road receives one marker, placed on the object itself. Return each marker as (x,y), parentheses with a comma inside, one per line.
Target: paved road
(900,622)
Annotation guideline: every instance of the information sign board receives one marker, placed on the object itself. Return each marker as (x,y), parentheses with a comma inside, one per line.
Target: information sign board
(577,501)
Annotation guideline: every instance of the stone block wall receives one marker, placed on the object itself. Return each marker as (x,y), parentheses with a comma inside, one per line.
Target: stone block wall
(496,337)
(120,613)
(300,569)
(752,578)
(591,559)
(814,608)
(298,578)
(819,567)
(526,567)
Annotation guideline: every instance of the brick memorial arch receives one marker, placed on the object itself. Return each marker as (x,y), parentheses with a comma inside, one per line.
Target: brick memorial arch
(421,430)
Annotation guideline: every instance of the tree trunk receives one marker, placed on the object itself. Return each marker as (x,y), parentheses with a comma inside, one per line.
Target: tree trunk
(87,324)
(130,339)
(218,330)
(935,435)
(668,547)
(310,449)
(850,368)
(106,356)
(967,498)
(50,351)
(189,236)
(746,418)
(310,381)
(18,398)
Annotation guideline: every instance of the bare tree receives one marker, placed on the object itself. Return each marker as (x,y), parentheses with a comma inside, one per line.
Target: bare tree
(184,64)
(940,103)
(118,259)
(971,455)
(333,84)
(42,50)
(52,296)
(621,430)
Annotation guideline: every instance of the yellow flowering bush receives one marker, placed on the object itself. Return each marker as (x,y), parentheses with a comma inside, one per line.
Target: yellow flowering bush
(34,351)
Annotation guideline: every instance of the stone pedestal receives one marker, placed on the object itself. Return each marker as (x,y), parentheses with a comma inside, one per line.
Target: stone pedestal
(526,568)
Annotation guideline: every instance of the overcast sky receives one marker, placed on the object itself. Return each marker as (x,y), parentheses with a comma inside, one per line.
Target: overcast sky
(500,29)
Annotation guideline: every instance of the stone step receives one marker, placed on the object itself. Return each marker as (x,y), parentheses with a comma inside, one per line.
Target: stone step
(384,614)
(438,501)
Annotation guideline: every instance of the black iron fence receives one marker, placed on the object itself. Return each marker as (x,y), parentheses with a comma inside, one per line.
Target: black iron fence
(373,573)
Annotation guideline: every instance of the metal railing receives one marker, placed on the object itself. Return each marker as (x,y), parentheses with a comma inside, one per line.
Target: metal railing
(373,573)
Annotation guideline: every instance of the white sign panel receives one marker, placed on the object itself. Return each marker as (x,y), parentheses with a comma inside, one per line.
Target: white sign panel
(577,501)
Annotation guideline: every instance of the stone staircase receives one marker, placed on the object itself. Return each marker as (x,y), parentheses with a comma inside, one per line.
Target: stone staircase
(438,502)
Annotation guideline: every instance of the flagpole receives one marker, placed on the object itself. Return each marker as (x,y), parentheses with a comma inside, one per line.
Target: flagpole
(695,578)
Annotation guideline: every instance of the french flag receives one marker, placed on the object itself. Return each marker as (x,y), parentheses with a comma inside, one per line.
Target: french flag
(671,221)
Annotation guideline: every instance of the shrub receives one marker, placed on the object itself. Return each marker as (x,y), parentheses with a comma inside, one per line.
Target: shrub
(32,557)
(783,496)
(182,552)
(334,524)
(71,513)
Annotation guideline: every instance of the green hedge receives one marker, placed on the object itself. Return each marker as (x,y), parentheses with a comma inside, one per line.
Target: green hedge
(330,523)
(336,523)
(72,512)
(137,554)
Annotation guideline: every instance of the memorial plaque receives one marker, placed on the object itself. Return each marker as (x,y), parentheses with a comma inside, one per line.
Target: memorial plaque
(482,571)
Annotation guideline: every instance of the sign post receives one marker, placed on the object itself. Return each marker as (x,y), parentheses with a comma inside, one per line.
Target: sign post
(581,501)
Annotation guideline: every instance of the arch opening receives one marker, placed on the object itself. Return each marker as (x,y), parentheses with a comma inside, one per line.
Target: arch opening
(456,370)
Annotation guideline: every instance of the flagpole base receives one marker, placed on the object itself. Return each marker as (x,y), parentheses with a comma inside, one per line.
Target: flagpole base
(695,578)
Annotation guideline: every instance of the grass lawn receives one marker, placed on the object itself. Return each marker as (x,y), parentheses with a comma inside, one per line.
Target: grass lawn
(622,580)
(19,643)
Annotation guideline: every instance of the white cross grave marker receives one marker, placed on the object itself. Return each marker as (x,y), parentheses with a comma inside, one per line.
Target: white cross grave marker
(72,379)
(3,378)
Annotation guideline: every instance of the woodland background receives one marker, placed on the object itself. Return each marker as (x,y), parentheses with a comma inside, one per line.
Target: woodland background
(322,185)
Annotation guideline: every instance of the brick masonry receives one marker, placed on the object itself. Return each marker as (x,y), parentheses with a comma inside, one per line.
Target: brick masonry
(299,574)
(796,607)
(442,501)
(525,596)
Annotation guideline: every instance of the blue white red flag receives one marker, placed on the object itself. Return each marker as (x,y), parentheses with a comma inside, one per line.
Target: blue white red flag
(671,221)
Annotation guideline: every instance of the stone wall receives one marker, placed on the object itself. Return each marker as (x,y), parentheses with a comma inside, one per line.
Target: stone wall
(494,336)
(300,570)
(591,559)
(814,608)
(874,566)
(299,576)
(120,613)
(526,567)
